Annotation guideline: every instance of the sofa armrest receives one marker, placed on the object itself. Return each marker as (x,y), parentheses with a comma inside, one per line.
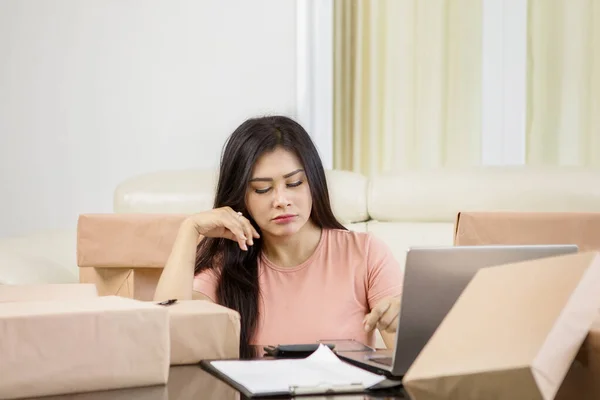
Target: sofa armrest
(46,257)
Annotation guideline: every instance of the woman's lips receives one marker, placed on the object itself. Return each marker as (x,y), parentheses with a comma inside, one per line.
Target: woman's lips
(284,219)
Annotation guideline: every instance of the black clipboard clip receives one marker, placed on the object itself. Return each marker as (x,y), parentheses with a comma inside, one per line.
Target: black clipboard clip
(326,388)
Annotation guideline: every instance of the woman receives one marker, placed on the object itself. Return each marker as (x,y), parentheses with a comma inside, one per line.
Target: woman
(272,249)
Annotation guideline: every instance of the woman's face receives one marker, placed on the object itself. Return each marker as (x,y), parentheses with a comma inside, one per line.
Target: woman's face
(278,196)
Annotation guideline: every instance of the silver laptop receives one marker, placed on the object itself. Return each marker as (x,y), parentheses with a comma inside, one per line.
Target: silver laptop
(434,278)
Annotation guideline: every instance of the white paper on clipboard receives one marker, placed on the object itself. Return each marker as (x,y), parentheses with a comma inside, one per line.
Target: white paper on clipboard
(321,372)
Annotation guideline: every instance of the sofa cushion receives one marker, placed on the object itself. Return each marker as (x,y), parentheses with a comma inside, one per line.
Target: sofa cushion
(44,257)
(191,191)
(400,236)
(348,195)
(437,195)
(179,192)
(357,226)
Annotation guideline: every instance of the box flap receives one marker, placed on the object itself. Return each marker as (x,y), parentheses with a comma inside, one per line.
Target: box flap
(515,327)
(582,381)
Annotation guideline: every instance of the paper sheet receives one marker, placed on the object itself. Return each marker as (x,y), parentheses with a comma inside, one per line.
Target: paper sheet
(322,369)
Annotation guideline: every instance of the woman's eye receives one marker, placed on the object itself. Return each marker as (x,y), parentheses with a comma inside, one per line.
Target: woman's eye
(293,184)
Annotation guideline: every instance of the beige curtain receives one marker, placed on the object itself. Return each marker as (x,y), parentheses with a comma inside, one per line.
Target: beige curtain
(407,84)
(563,124)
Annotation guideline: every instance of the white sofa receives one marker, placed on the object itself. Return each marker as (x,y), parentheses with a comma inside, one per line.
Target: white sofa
(404,209)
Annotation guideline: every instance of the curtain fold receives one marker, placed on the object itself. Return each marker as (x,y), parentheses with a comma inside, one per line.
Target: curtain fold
(563,116)
(407,84)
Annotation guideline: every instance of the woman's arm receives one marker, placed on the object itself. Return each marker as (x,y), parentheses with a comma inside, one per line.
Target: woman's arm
(385,282)
(389,339)
(177,278)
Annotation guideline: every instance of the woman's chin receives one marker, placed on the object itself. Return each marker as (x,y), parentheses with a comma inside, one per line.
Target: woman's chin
(284,230)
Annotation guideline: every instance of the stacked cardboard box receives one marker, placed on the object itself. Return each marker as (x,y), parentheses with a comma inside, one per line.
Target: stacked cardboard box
(527,330)
(59,339)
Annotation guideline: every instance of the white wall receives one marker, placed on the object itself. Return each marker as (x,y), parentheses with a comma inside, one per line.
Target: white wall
(95,91)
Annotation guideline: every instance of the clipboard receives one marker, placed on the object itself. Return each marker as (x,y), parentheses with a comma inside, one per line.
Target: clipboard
(293,390)
(284,376)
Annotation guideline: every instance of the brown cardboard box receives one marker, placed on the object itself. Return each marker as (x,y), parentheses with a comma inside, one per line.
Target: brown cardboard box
(517,228)
(124,254)
(55,347)
(52,291)
(203,330)
(583,380)
(513,333)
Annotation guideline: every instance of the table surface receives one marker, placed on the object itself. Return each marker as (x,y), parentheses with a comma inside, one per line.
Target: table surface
(192,382)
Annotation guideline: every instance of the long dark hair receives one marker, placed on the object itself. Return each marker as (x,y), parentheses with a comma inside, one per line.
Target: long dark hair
(238,286)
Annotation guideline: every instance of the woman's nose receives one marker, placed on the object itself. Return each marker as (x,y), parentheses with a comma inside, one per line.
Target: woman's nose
(280,198)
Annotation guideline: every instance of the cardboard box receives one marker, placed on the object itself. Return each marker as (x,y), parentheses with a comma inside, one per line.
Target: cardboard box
(203,330)
(52,291)
(519,228)
(513,333)
(124,254)
(53,347)
(583,380)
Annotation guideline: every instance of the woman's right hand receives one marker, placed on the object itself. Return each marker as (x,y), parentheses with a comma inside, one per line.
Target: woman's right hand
(225,223)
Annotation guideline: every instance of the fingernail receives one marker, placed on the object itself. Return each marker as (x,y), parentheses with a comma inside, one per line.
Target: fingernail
(251,242)
(367,328)
(244,247)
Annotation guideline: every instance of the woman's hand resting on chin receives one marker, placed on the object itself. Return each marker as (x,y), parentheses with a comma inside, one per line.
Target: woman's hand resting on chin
(225,223)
